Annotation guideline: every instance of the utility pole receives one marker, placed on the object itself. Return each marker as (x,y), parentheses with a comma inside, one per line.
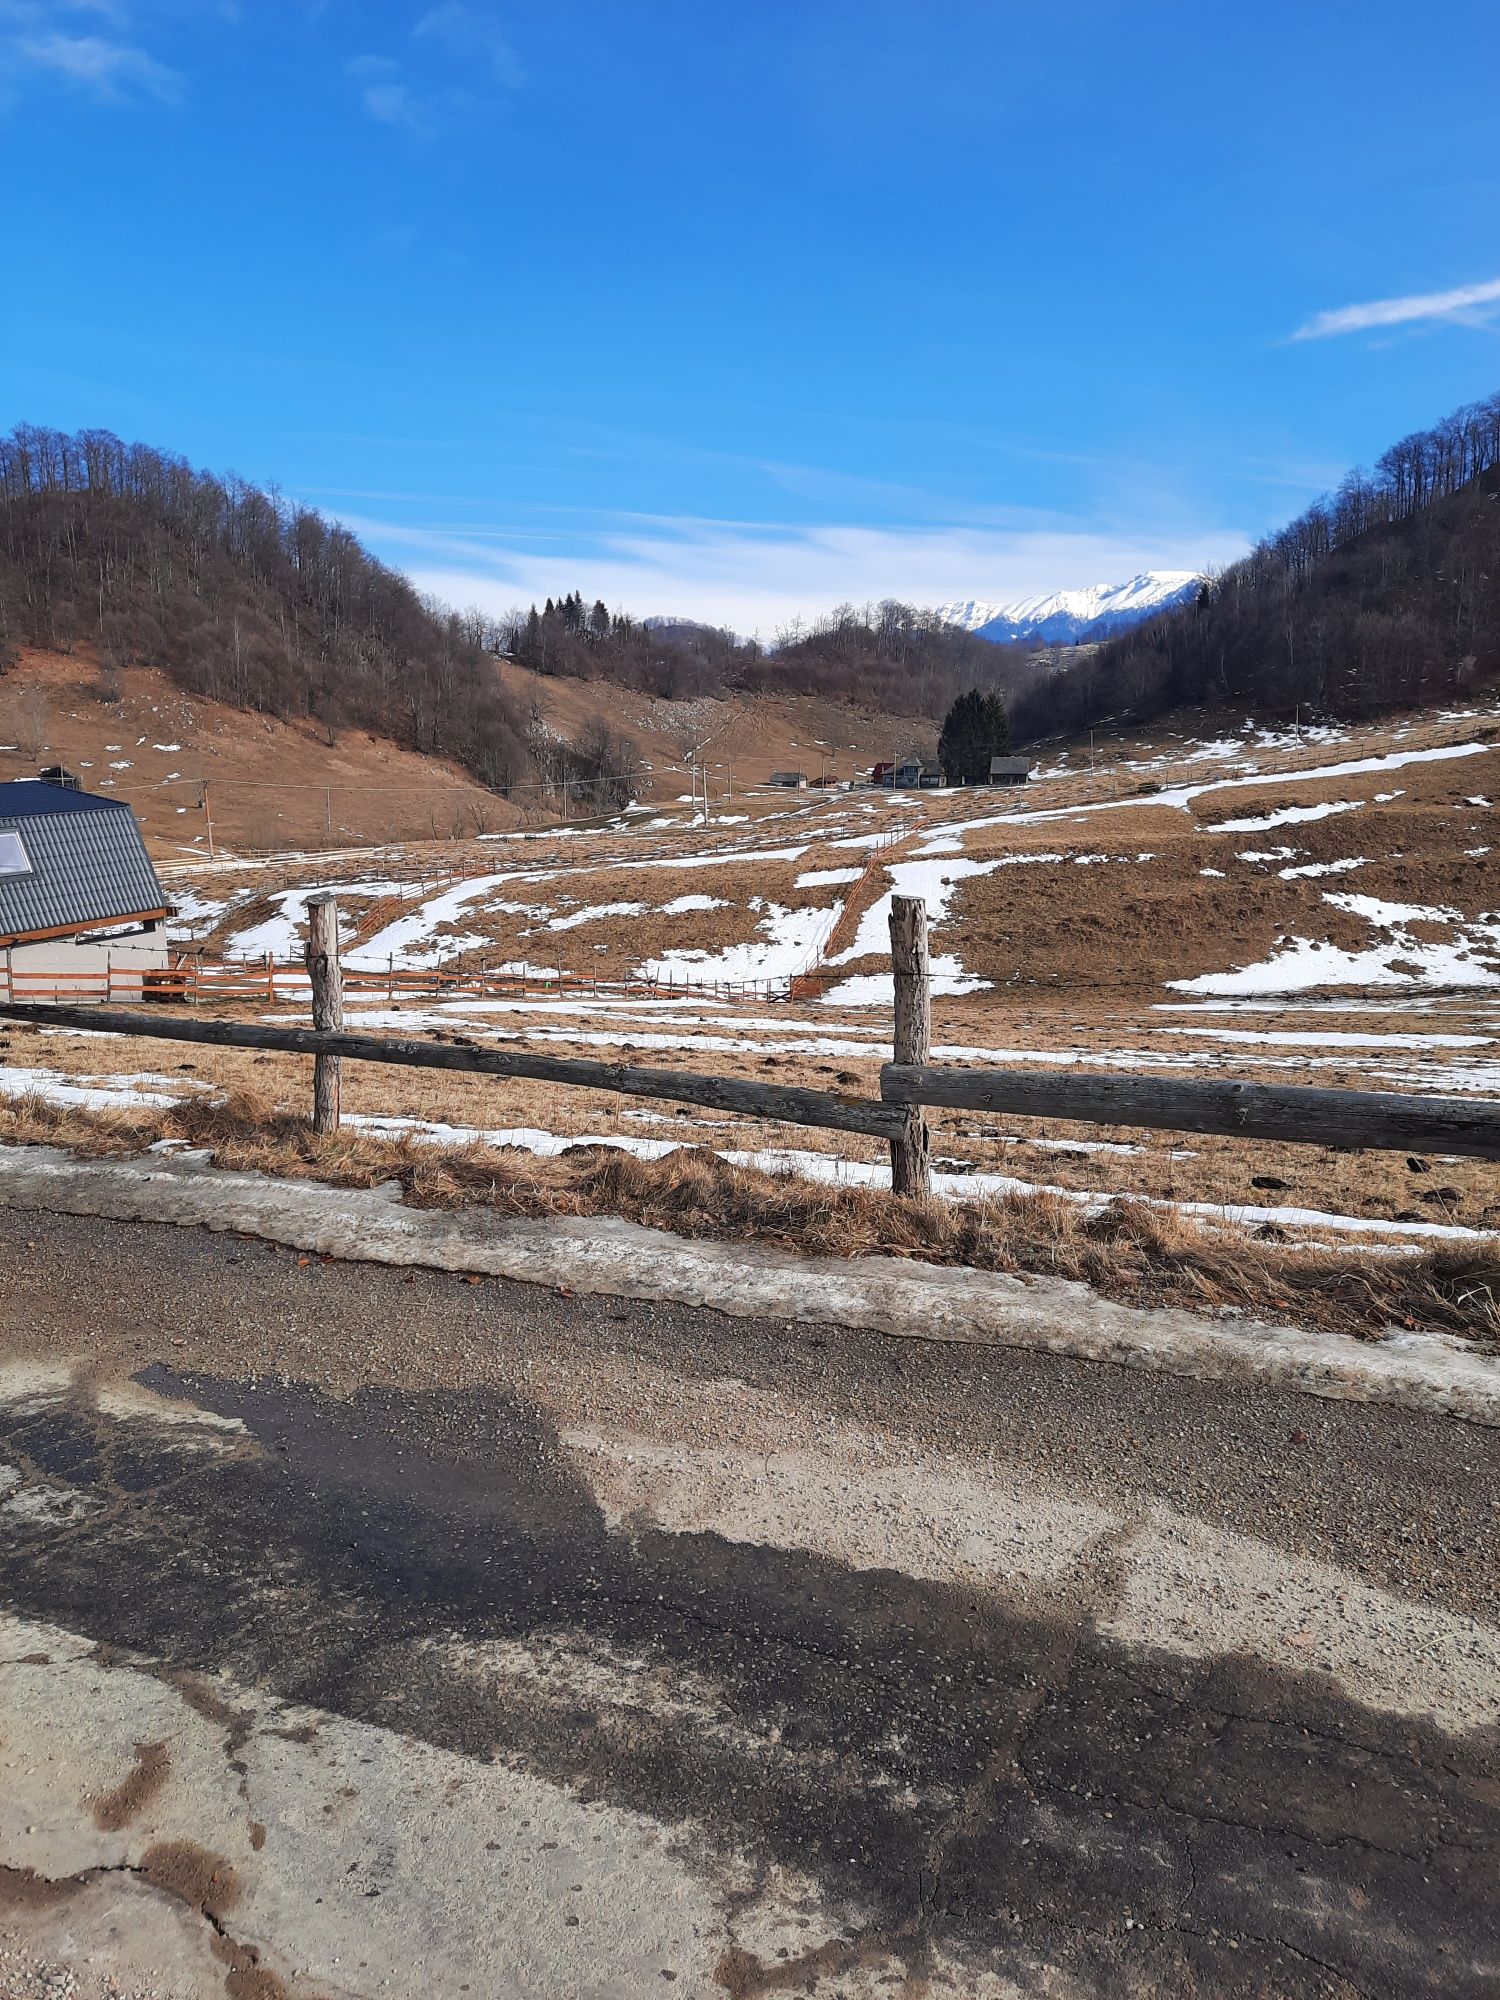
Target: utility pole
(208,814)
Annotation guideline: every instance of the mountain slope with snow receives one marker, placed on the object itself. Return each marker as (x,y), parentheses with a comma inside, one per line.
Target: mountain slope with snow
(1098,611)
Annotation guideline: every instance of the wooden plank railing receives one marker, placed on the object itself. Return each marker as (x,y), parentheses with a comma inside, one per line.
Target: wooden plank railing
(1330,1118)
(782,1103)
(1381,1120)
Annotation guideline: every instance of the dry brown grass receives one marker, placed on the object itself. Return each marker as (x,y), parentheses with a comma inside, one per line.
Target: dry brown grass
(1140,1255)
(1164,1167)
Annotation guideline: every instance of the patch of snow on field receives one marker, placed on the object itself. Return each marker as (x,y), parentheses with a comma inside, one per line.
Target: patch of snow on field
(878,989)
(593,914)
(410,941)
(1310,868)
(1375,911)
(194,916)
(788,941)
(1471,958)
(117,1093)
(1328,1038)
(933,878)
(280,935)
(821,878)
(527,1138)
(728,857)
(1288,816)
(1182,796)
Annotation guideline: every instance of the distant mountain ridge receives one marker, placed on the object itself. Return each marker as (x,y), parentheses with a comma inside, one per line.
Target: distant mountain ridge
(1068,617)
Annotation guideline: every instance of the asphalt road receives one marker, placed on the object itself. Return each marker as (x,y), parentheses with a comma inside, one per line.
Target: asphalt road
(373,1632)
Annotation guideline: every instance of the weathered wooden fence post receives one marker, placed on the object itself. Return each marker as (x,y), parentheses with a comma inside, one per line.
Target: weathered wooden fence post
(911,1150)
(327,1004)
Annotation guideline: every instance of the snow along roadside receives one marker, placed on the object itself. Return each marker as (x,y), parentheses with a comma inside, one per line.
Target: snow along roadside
(888,1296)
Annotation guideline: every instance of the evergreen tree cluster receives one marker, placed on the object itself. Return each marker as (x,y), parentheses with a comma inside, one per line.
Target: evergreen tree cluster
(974,730)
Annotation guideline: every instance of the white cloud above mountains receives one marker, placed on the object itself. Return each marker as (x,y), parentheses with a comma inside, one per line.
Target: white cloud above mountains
(1468,305)
(759,577)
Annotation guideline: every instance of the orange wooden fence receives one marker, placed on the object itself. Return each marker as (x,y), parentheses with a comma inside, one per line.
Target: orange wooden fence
(197,981)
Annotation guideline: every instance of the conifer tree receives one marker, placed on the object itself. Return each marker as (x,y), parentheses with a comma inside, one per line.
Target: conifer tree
(975,729)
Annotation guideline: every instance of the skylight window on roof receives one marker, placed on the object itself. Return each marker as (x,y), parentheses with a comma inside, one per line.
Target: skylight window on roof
(14,859)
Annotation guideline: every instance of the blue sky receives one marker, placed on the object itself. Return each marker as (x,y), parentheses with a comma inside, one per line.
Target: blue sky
(740,310)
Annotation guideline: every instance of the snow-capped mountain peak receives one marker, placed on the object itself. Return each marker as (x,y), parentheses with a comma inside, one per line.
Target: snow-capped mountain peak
(1097,611)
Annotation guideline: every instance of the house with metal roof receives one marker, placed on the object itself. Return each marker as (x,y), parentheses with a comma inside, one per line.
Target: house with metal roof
(1009,770)
(82,914)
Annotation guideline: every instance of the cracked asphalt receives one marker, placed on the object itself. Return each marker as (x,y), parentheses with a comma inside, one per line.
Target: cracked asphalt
(373,1632)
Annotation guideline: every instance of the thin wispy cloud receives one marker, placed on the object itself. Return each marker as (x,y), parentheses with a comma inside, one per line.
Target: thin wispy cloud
(110,71)
(757,577)
(1465,303)
(386,97)
(45,13)
(59,42)
(406,96)
(475,35)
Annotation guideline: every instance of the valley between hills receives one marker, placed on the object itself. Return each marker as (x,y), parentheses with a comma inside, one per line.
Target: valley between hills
(1308,905)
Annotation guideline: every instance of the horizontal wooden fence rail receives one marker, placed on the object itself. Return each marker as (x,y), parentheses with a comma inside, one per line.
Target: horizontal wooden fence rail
(1345,1118)
(779,1103)
(1382,1120)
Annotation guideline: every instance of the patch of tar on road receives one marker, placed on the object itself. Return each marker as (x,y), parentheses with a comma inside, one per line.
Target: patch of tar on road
(984,1782)
(200,1881)
(117,1807)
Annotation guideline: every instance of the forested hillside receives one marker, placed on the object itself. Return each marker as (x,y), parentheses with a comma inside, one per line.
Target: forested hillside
(891,655)
(133,555)
(1384,595)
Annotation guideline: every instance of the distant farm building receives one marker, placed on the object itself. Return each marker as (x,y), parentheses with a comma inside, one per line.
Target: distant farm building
(883,774)
(81,909)
(792,781)
(1009,770)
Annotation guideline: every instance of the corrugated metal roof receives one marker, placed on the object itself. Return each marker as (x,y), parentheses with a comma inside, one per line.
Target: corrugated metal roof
(89,865)
(25,798)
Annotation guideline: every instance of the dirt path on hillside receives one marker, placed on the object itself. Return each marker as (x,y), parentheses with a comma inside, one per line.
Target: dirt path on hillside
(376,1632)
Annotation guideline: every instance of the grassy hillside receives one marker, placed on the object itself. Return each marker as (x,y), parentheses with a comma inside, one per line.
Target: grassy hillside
(280,783)
(131,556)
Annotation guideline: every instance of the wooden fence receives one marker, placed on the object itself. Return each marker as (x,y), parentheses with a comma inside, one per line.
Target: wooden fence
(200,981)
(1339,1118)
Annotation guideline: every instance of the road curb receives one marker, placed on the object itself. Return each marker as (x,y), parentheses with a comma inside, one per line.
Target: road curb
(1427,1372)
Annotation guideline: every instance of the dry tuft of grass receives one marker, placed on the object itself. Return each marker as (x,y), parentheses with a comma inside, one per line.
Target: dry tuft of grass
(1127,1251)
